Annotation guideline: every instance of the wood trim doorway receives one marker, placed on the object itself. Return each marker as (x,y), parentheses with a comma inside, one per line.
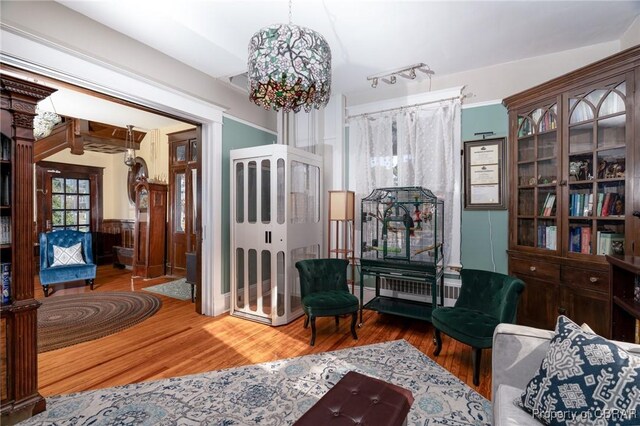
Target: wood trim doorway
(73,212)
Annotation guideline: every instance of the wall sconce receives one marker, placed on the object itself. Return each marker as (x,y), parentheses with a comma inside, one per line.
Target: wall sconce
(409,73)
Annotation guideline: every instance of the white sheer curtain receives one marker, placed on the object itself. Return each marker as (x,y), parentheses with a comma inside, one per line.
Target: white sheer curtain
(427,154)
(428,141)
(374,158)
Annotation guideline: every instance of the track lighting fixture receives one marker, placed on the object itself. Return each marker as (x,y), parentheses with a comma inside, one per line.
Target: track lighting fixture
(406,72)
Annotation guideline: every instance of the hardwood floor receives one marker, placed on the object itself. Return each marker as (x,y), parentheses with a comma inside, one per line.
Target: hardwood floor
(177,341)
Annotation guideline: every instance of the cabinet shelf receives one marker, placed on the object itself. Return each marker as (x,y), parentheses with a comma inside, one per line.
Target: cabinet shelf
(341,251)
(629,306)
(405,308)
(608,147)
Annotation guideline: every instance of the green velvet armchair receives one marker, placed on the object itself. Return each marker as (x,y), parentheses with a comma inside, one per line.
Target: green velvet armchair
(486,300)
(324,290)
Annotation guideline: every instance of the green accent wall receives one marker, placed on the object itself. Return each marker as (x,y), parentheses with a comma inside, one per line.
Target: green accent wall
(235,135)
(484,232)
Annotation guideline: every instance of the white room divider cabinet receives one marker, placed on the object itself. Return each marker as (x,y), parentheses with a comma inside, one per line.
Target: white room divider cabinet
(275,222)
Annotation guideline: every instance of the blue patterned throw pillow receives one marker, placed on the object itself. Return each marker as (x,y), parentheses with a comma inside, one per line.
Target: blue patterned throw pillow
(584,380)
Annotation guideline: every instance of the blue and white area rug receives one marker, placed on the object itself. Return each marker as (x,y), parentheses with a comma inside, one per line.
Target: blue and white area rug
(273,393)
(178,289)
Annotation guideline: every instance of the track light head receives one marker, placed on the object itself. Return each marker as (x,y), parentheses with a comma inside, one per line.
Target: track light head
(391,77)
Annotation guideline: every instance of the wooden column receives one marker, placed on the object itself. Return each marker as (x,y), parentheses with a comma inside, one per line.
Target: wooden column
(21,400)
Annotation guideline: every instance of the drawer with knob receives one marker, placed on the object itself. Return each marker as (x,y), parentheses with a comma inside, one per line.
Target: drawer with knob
(585,278)
(533,268)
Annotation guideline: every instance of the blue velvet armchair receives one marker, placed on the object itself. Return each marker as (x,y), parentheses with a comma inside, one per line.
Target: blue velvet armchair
(60,274)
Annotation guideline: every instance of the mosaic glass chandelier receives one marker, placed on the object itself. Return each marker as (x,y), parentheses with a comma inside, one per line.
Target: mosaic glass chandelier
(289,68)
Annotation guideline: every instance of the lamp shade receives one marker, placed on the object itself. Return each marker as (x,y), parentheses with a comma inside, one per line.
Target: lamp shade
(341,205)
(289,68)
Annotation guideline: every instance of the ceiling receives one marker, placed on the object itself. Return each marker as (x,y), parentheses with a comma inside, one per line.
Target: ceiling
(368,37)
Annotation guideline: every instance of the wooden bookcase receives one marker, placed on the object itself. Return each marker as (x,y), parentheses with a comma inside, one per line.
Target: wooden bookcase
(18,317)
(574,173)
(624,272)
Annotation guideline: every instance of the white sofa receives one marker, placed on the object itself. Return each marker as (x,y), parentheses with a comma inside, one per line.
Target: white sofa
(517,354)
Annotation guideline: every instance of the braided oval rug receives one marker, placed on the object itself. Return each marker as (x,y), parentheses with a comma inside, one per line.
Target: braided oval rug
(71,319)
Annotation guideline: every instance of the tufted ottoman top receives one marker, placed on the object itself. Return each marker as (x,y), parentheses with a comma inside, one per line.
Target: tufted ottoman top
(360,400)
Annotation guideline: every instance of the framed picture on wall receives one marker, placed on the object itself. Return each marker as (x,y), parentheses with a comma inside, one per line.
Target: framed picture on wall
(485,174)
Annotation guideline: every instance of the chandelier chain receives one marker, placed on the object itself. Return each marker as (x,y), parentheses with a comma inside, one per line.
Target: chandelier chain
(290,1)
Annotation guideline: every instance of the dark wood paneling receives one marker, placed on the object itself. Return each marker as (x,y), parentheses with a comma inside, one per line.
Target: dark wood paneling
(21,399)
(116,242)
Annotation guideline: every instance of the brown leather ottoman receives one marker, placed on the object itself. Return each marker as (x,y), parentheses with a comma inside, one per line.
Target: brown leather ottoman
(360,400)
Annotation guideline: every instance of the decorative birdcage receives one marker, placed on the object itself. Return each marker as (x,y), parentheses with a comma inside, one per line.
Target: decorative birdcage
(402,225)
(402,245)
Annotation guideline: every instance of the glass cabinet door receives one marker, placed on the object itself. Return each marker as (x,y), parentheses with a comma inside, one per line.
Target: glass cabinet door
(537,178)
(596,170)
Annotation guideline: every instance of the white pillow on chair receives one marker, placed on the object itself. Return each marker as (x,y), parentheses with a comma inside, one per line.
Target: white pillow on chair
(63,256)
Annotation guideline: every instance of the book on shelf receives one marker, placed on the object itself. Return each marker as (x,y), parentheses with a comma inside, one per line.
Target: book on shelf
(605,204)
(544,205)
(549,204)
(551,232)
(600,202)
(610,243)
(5,189)
(616,205)
(588,207)
(585,240)
(575,234)
(5,149)
(5,230)
(5,271)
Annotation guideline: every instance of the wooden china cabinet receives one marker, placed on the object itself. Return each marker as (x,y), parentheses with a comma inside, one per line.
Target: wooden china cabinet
(575,189)
(18,313)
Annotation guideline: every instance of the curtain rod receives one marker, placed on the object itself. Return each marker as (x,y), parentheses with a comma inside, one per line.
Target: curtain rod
(405,107)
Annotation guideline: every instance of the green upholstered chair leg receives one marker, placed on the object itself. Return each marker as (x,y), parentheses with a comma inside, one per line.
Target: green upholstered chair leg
(354,320)
(337,322)
(306,321)
(438,341)
(476,355)
(313,331)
